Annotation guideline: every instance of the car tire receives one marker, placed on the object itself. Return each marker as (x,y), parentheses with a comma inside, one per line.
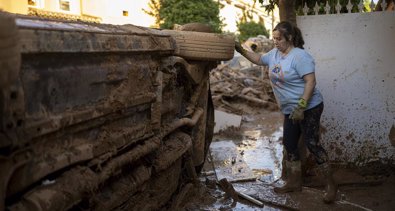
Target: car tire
(194,45)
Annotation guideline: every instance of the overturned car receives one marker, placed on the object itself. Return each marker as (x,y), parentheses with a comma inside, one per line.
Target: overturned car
(102,117)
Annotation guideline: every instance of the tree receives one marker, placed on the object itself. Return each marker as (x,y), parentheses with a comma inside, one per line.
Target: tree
(170,12)
(251,29)
(154,6)
(287,9)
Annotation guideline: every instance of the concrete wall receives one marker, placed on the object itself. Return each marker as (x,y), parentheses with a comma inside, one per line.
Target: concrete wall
(355,69)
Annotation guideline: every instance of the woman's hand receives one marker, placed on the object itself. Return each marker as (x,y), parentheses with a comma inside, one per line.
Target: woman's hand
(298,113)
(251,56)
(239,48)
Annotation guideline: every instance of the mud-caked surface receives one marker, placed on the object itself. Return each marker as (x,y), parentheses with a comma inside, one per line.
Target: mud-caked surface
(363,188)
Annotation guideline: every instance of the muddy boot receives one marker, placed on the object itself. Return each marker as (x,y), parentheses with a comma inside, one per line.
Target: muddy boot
(293,181)
(331,187)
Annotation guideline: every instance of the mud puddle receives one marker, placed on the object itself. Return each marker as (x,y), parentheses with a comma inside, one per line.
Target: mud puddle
(256,147)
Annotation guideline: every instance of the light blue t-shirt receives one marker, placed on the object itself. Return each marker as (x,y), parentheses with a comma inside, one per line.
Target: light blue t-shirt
(286,76)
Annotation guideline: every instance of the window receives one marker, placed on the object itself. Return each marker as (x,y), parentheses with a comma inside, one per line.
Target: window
(64,5)
(32,3)
(125,13)
(35,3)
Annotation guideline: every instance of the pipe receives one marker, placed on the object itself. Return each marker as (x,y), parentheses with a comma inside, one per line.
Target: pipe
(190,122)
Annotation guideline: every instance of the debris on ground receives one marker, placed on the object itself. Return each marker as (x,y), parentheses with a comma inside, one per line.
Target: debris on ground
(241,92)
(245,157)
(259,44)
(229,164)
(229,190)
(224,120)
(240,87)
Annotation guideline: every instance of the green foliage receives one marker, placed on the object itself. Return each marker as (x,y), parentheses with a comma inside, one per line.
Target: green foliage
(251,29)
(170,12)
(271,5)
(154,6)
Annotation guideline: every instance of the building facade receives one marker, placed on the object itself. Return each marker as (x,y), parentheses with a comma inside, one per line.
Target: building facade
(131,12)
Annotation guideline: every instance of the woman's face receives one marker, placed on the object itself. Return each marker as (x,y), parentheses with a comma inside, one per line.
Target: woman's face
(280,42)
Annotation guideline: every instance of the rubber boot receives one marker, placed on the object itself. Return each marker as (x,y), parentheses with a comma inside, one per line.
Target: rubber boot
(331,186)
(293,181)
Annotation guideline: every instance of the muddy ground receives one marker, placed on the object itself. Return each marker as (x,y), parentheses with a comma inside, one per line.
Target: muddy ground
(257,144)
(250,155)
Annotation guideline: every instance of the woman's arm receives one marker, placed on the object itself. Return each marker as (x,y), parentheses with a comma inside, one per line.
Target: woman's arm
(309,86)
(253,57)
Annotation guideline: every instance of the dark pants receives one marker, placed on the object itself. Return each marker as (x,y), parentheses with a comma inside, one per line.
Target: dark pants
(310,127)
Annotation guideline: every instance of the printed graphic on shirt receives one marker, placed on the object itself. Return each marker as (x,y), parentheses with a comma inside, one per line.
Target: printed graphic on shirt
(277,75)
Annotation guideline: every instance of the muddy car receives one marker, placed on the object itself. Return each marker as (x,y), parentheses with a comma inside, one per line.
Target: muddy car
(102,117)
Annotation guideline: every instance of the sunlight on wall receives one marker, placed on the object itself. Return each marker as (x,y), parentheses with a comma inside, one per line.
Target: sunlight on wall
(124,12)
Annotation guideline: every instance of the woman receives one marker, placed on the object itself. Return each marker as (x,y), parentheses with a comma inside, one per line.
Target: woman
(291,71)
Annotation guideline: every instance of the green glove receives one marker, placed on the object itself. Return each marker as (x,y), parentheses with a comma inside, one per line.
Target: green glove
(298,113)
(239,48)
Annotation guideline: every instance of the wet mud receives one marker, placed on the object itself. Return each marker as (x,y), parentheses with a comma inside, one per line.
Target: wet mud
(258,143)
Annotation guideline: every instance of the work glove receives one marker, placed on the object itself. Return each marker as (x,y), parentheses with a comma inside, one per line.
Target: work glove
(298,113)
(239,48)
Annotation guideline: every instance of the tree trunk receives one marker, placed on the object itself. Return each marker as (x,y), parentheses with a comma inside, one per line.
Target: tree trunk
(287,11)
(390,6)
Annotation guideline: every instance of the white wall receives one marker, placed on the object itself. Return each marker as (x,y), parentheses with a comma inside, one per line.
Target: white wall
(355,68)
(93,7)
(51,5)
(113,12)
